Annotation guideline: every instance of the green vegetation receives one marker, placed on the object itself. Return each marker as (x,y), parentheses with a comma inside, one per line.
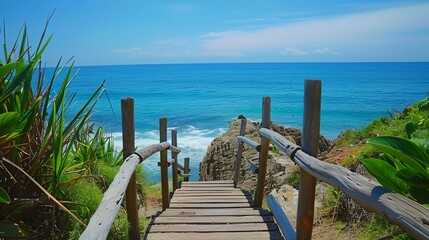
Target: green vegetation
(403,164)
(55,165)
(396,154)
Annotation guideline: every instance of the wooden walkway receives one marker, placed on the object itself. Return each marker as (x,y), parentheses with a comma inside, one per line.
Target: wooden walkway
(212,210)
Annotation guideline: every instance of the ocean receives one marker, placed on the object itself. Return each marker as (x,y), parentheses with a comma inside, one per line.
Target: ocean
(200,100)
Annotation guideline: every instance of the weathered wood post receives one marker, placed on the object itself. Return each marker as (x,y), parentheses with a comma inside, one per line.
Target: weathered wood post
(310,145)
(263,154)
(164,164)
(174,156)
(186,170)
(128,136)
(239,152)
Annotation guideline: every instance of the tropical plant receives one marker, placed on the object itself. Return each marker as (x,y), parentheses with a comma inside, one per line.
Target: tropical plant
(403,167)
(36,138)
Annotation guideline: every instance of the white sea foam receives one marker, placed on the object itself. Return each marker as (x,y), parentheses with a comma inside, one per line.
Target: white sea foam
(192,141)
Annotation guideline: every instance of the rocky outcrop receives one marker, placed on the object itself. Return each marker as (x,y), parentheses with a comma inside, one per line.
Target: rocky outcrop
(218,163)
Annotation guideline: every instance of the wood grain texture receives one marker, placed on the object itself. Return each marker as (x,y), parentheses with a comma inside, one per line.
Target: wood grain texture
(310,144)
(249,142)
(211,205)
(164,164)
(238,157)
(212,210)
(128,136)
(100,223)
(204,228)
(281,219)
(263,153)
(214,219)
(407,214)
(186,170)
(273,235)
(175,158)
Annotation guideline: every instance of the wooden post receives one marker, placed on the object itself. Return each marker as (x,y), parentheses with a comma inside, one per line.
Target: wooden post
(186,169)
(239,151)
(128,135)
(174,156)
(164,164)
(310,145)
(263,154)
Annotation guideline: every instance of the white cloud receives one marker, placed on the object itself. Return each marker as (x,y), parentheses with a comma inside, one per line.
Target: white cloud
(131,51)
(323,51)
(293,51)
(377,27)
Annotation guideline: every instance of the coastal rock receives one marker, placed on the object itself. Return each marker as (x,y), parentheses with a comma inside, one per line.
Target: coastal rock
(218,163)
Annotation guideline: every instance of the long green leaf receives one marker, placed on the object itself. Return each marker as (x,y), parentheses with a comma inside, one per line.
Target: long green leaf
(385,174)
(4,197)
(414,179)
(404,149)
(5,70)
(8,122)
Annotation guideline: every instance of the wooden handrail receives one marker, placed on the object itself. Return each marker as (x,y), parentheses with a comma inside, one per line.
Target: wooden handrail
(249,142)
(407,214)
(282,221)
(100,223)
(253,167)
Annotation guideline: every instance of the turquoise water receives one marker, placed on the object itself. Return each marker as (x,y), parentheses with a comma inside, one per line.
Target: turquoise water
(200,100)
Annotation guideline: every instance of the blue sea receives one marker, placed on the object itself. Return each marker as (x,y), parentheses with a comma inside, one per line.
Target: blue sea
(200,100)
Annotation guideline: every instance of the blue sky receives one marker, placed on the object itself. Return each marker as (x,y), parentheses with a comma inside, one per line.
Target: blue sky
(197,31)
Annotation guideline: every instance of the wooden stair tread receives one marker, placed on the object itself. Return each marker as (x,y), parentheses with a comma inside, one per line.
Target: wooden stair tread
(213,210)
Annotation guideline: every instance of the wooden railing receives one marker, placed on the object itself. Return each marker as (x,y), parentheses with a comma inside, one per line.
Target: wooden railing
(407,214)
(124,183)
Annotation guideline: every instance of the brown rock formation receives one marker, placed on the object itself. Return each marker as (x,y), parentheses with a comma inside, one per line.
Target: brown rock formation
(218,163)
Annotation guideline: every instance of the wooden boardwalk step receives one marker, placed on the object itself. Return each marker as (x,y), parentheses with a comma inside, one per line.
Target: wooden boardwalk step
(212,210)
(216,236)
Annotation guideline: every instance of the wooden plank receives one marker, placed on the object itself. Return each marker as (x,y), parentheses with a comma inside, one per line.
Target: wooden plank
(216,212)
(174,156)
(204,197)
(226,185)
(282,221)
(211,205)
(128,136)
(186,170)
(407,214)
(100,223)
(214,219)
(213,201)
(263,154)
(208,182)
(239,154)
(206,189)
(310,145)
(204,228)
(273,235)
(249,142)
(210,193)
(208,200)
(164,164)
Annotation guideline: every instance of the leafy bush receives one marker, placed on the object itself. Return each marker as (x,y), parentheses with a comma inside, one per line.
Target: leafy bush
(36,140)
(403,166)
